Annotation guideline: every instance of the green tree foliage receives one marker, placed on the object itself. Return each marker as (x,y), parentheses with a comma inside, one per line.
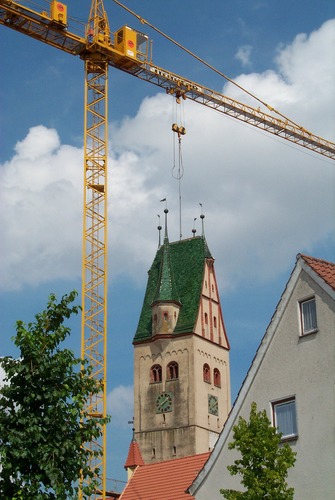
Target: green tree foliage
(264,461)
(43,424)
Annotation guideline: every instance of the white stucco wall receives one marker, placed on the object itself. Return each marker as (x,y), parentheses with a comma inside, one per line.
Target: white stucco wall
(303,367)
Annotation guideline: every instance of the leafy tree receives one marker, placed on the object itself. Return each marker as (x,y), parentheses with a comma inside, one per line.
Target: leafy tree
(43,423)
(264,463)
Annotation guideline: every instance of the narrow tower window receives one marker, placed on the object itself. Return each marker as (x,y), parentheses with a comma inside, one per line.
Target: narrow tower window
(172,370)
(207,373)
(217,377)
(155,374)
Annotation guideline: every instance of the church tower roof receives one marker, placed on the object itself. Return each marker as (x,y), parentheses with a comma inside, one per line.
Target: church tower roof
(166,289)
(134,457)
(176,274)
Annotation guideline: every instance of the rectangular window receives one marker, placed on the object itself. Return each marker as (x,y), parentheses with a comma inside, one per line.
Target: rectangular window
(284,417)
(308,316)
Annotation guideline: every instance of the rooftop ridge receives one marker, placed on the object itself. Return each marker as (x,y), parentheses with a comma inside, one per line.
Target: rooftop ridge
(165,480)
(322,267)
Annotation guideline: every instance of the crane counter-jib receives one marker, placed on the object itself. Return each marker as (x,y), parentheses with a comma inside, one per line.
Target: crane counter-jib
(41,26)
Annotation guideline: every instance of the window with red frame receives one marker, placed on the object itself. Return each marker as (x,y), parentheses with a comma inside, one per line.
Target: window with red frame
(217,377)
(155,374)
(207,373)
(172,370)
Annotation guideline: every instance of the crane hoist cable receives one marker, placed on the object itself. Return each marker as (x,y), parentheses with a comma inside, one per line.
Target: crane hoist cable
(202,61)
(178,170)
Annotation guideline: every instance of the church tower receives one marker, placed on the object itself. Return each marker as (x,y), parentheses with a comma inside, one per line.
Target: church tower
(181,355)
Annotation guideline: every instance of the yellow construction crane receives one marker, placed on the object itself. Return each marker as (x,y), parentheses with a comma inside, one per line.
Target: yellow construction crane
(129,51)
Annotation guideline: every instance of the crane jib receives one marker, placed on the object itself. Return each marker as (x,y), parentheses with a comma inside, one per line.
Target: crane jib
(48,29)
(243,112)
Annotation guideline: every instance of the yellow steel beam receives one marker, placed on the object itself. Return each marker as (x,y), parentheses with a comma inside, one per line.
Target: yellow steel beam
(94,271)
(99,41)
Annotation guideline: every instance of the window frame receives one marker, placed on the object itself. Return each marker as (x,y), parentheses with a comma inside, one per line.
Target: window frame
(173,367)
(280,403)
(303,330)
(206,372)
(156,374)
(217,377)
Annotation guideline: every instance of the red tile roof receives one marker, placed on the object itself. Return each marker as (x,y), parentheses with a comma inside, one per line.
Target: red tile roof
(134,455)
(164,480)
(325,269)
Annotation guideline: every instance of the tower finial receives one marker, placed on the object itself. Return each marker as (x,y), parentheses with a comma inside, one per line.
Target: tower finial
(166,212)
(133,428)
(194,230)
(202,221)
(159,227)
(166,231)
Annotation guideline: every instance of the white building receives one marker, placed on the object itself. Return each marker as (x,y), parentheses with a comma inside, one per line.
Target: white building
(292,378)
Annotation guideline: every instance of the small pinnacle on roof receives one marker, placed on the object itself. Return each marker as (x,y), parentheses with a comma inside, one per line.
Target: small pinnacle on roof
(202,221)
(166,212)
(166,231)
(194,230)
(133,428)
(159,227)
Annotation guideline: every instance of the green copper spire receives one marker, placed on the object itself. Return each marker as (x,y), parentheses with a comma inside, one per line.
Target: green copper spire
(166,290)
(181,265)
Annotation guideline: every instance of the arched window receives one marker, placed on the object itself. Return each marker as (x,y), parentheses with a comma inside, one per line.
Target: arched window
(155,374)
(215,322)
(217,377)
(207,373)
(206,319)
(172,370)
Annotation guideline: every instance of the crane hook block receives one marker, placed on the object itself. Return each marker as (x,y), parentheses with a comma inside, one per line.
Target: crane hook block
(179,130)
(58,12)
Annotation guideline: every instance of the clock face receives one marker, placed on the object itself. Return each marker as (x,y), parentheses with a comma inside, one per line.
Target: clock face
(213,405)
(164,402)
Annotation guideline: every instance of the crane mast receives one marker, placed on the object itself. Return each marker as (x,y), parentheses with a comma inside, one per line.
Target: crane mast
(94,248)
(127,50)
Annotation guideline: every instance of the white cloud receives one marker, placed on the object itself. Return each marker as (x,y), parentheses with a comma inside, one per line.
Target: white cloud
(41,190)
(264,201)
(120,404)
(243,55)
(39,142)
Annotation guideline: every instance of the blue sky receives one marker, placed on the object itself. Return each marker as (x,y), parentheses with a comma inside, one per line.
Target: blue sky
(264,200)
